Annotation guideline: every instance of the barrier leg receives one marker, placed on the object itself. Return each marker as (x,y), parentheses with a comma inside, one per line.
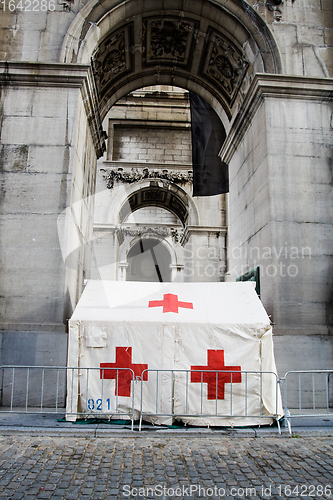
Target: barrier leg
(288,420)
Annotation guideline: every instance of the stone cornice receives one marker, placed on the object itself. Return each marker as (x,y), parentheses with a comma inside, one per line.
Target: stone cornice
(143,231)
(189,230)
(272,86)
(43,74)
(59,75)
(108,164)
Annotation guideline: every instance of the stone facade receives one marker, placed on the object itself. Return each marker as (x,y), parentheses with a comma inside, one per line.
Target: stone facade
(149,151)
(70,74)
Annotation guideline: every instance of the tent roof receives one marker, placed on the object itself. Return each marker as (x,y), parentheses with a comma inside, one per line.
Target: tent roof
(212,303)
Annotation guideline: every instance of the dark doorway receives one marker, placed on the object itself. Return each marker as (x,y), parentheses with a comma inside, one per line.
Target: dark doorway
(149,260)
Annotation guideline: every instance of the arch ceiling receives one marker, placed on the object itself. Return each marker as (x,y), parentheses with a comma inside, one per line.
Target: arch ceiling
(211,48)
(172,199)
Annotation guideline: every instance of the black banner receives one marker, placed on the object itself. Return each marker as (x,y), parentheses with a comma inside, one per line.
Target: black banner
(210,174)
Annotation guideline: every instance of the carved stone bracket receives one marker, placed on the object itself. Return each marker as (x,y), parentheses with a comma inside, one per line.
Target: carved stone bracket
(224,64)
(119,175)
(272,5)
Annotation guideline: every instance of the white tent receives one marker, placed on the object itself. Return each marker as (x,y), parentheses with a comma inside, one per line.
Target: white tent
(180,329)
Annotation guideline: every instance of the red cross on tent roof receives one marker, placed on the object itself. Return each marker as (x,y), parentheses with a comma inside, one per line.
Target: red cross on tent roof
(216,380)
(170,303)
(118,372)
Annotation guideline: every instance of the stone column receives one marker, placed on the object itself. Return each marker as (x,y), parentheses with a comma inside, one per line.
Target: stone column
(280,203)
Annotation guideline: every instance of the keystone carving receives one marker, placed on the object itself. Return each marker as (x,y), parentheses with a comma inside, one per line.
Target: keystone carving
(168,41)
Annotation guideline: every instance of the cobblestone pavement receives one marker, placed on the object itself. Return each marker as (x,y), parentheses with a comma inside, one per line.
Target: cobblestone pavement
(165,467)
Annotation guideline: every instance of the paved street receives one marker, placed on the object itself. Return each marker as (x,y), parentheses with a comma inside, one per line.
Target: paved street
(118,467)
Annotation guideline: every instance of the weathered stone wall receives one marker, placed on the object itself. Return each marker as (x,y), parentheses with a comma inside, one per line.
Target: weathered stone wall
(45,162)
(144,143)
(304,35)
(36,179)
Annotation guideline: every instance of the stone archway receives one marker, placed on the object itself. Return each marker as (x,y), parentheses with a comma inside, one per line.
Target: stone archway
(211,48)
(172,200)
(215,49)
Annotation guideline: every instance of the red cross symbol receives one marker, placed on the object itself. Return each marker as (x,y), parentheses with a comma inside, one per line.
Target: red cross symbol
(216,362)
(170,303)
(123,377)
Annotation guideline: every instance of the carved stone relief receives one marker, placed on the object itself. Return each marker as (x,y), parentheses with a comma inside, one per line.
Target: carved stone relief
(113,58)
(163,232)
(154,195)
(224,65)
(168,41)
(119,175)
(272,5)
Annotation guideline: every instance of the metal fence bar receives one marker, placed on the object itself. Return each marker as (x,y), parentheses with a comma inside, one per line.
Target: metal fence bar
(201,391)
(12,391)
(231,393)
(172,393)
(216,390)
(156,404)
(72,389)
(27,390)
(186,395)
(260,394)
(57,393)
(245,394)
(102,390)
(87,388)
(1,385)
(42,393)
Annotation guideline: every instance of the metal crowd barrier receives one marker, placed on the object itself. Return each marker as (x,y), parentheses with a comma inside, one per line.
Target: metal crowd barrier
(42,389)
(167,396)
(307,393)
